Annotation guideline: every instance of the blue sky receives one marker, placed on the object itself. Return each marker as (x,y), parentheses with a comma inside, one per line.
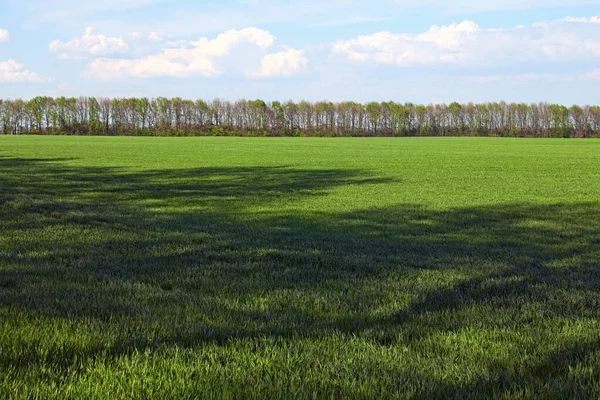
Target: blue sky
(425,51)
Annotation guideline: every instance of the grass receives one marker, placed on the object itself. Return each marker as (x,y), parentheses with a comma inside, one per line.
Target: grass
(299,268)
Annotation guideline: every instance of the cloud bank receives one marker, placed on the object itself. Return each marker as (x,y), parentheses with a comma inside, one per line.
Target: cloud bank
(467,44)
(244,52)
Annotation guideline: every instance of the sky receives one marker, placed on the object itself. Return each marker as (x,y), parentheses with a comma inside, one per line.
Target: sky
(427,51)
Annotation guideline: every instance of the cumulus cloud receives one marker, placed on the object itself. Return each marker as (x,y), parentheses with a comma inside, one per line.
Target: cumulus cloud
(14,72)
(467,44)
(90,44)
(205,57)
(285,63)
(4,35)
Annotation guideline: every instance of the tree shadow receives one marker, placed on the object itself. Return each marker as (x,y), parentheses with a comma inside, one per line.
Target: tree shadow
(209,255)
(559,374)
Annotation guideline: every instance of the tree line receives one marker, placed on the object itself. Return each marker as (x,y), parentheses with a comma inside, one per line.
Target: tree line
(178,117)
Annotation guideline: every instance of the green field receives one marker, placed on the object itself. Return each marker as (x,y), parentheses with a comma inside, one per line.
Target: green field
(299,268)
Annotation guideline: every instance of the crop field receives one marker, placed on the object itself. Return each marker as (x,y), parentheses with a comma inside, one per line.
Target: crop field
(299,267)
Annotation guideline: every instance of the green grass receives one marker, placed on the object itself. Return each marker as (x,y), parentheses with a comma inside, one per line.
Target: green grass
(299,268)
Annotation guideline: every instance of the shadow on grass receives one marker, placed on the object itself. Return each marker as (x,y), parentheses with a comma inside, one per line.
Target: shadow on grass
(558,375)
(183,257)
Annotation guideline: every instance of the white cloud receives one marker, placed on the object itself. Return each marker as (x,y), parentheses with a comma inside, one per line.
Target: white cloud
(225,41)
(157,36)
(437,45)
(204,57)
(285,63)
(153,36)
(592,75)
(151,66)
(465,43)
(90,44)
(584,20)
(4,35)
(13,72)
